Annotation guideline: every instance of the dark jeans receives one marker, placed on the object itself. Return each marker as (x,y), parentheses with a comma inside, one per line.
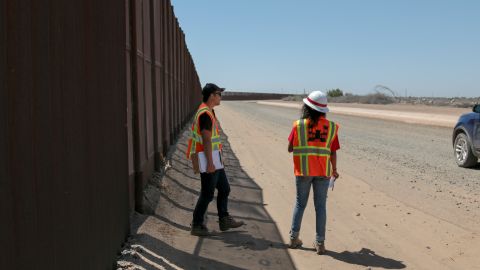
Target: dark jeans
(210,181)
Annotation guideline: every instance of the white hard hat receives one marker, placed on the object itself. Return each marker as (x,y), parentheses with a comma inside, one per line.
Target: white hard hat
(317,100)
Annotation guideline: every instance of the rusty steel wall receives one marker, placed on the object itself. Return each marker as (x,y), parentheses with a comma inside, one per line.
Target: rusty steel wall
(92,95)
(64,145)
(165,88)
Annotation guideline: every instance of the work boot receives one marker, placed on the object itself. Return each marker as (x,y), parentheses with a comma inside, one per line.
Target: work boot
(229,223)
(295,243)
(320,247)
(199,230)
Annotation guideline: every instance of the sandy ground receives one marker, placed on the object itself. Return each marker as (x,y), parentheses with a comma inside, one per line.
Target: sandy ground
(401,202)
(380,215)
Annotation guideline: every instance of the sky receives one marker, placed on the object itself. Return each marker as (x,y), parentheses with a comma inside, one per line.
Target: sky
(415,48)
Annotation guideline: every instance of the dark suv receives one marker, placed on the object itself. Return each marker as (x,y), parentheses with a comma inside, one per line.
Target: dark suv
(466,138)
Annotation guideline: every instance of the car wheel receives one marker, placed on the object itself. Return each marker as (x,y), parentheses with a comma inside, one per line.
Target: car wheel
(463,152)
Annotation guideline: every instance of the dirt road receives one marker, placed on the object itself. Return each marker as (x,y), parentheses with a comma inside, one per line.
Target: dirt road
(413,114)
(401,201)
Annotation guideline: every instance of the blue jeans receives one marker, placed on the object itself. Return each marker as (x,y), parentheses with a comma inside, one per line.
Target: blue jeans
(320,190)
(209,182)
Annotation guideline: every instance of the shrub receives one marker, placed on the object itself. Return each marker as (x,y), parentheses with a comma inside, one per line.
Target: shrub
(334,93)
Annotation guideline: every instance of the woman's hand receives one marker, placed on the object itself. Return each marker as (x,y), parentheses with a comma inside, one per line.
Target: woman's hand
(335,173)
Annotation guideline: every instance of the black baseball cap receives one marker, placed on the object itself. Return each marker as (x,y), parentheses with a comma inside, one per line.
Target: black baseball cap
(209,88)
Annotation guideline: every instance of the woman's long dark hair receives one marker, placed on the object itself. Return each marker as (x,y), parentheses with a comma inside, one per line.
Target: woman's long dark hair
(311,114)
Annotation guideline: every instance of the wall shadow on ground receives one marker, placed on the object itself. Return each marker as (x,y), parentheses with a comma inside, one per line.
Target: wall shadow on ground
(166,233)
(154,253)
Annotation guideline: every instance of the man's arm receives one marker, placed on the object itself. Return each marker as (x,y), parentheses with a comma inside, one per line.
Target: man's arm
(207,148)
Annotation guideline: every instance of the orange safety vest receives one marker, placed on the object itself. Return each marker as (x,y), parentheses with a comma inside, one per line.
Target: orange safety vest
(311,147)
(195,142)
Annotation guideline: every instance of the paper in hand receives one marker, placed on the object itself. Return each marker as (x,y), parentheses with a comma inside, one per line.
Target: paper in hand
(332,182)
(216,157)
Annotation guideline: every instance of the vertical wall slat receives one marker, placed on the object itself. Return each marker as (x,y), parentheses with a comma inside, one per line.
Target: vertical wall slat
(158,81)
(166,79)
(6,198)
(148,89)
(130,107)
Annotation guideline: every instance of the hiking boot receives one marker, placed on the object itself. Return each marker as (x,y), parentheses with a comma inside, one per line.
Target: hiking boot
(320,247)
(295,243)
(199,230)
(229,223)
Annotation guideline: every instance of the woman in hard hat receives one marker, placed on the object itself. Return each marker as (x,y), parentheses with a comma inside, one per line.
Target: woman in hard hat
(314,142)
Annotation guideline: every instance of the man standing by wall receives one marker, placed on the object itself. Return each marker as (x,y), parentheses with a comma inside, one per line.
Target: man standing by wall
(204,144)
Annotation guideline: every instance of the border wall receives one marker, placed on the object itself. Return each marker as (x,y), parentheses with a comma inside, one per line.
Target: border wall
(92,95)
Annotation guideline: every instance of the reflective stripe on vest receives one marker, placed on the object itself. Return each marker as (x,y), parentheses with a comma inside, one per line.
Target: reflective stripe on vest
(302,150)
(302,136)
(311,150)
